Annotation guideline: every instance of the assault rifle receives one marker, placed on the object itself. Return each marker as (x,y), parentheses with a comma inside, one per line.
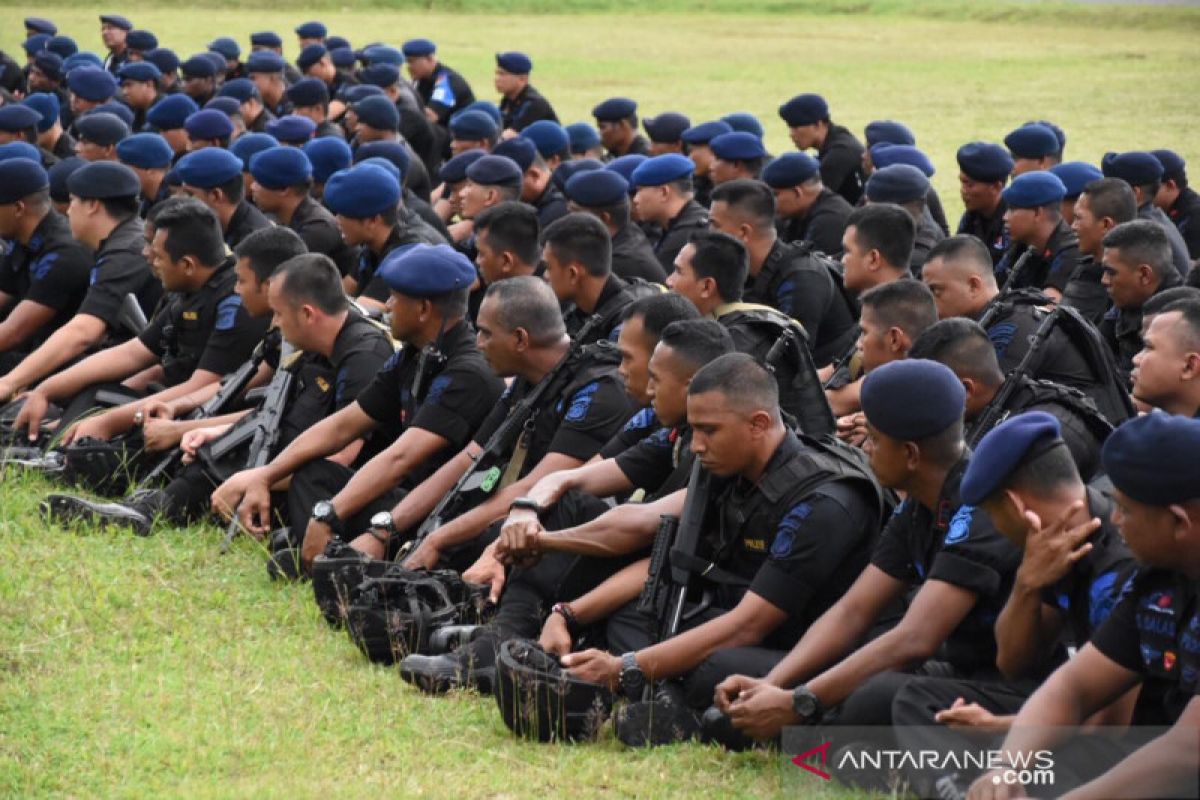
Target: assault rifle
(807,401)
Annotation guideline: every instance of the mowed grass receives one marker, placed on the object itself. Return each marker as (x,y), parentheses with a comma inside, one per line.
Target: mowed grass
(157,667)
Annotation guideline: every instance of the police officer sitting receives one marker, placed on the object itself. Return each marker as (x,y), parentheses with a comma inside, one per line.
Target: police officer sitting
(506,243)
(605,195)
(441,88)
(697,138)
(214,176)
(1143,172)
(490,180)
(521,105)
(1166,372)
(666,133)
(44,277)
(806,209)
(840,153)
(887,153)
(250,104)
(1033,147)
(983,169)
(1102,205)
(1177,199)
(1034,220)
(663,197)
(1147,639)
(736,156)
(149,156)
(617,120)
(267,69)
(551,140)
(1075,175)
(907,187)
(310,99)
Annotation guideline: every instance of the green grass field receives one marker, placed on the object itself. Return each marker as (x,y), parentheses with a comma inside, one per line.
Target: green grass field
(157,667)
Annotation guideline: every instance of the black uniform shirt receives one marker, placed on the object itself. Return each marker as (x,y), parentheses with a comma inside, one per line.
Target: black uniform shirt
(691,218)
(51,270)
(989,230)
(823,224)
(445,91)
(119,269)
(246,220)
(321,234)
(526,108)
(841,163)
(633,257)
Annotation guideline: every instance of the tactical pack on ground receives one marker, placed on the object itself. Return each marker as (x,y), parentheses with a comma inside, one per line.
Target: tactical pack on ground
(540,700)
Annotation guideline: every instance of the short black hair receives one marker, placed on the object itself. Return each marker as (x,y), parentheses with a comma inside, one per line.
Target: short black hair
(529,303)
(1043,472)
(660,310)
(618,212)
(724,259)
(1111,198)
(192,229)
(751,199)
(120,208)
(906,304)
(963,346)
(742,380)
(164,206)
(511,227)
(1190,309)
(698,341)
(885,227)
(453,304)
(581,238)
(267,248)
(313,278)
(234,189)
(1158,302)
(964,249)
(1143,241)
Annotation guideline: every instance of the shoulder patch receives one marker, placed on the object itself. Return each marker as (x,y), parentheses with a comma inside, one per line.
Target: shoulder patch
(227,311)
(392,361)
(960,525)
(443,92)
(581,402)
(642,420)
(789,526)
(42,267)
(1001,335)
(437,388)
(1102,596)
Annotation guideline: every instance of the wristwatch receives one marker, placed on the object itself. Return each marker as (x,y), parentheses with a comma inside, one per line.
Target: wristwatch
(323,511)
(565,611)
(526,503)
(632,679)
(806,705)
(382,527)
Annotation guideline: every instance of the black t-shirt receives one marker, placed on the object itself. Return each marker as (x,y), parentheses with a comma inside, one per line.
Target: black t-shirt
(650,462)
(51,270)
(841,163)
(1051,267)
(691,218)
(321,234)
(633,257)
(642,424)
(457,391)
(823,225)
(208,329)
(989,230)
(956,544)
(613,299)
(119,269)
(246,220)
(525,109)
(1155,631)
(445,91)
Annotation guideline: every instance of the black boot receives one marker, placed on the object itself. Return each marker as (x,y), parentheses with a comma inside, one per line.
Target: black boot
(68,508)
(472,666)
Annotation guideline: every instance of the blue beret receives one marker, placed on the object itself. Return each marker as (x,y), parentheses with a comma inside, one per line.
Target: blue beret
(582,137)
(471,125)
(393,153)
(745,122)
(738,146)
(519,150)
(240,89)
(116,20)
(378,112)
(424,270)
(597,187)
(804,109)
(790,169)
(327,155)
(209,123)
(663,169)
(705,132)
(381,74)
(77,60)
(217,60)
(1058,132)
(47,105)
(984,161)
(383,163)
(35,44)
(514,62)
(171,112)
(226,46)
(103,180)
(248,145)
(912,399)
(1174,167)
(145,150)
(487,107)
(337,42)
(312,30)
(18,117)
(1003,449)
(1031,189)
(1152,458)
(1137,168)
(266,39)
(548,137)
(41,25)
(20,150)
(63,46)
(311,54)
(890,131)
(1075,175)
(225,104)
(163,58)
(265,61)
(362,191)
(382,54)
(666,127)
(1032,141)
(198,66)
(280,167)
(209,168)
(418,47)
(625,165)
(102,129)
(308,92)
(59,174)
(139,71)
(141,40)
(92,83)
(292,128)
(899,183)
(50,64)
(495,171)
(117,109)
(342,56)
(569,169)
(614,109)
(21,177)
(455,170)
(884,155)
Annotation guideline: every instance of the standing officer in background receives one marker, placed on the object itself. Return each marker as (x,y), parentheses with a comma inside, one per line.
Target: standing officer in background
(840,154)
(521,105)
(443,90)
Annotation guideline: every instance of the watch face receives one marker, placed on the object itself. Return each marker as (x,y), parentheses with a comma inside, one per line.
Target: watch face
(322,509)
(805,704)
(382,520)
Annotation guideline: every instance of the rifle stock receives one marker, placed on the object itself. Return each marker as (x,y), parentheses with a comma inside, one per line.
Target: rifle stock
(994,412)
(807,401)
